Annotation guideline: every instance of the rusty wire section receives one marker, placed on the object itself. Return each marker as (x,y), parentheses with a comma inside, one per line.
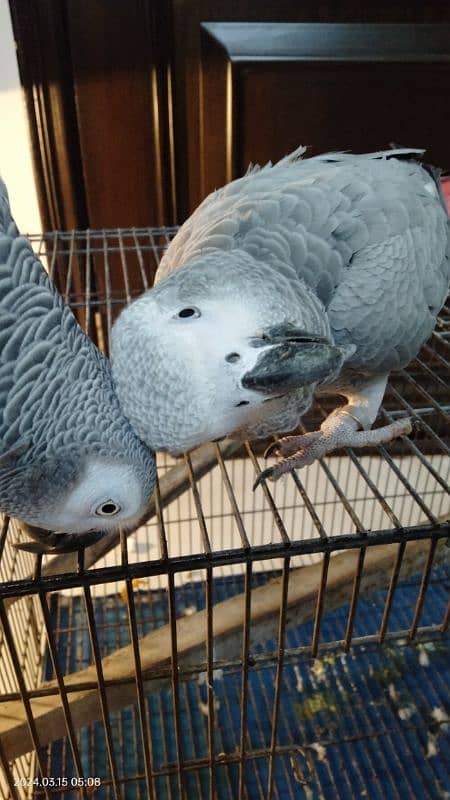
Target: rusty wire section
(21,644)
(288,553)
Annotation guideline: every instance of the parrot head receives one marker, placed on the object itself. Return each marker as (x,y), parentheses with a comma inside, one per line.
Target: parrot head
(68,501)
(71,466)
(217,346)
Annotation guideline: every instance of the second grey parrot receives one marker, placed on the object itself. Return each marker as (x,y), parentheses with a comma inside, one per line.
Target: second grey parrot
(70,462)
(313,275)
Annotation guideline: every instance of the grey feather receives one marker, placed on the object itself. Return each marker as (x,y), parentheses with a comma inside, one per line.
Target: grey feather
(376,228)
(51,377)
(352,247)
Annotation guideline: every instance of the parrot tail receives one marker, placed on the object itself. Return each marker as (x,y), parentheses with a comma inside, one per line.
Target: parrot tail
(437,174)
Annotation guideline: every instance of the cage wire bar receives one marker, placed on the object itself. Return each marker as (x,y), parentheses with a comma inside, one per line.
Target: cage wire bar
(166,663)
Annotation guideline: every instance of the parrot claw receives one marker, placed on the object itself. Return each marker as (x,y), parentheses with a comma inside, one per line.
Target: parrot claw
(290,445)
(272,450)
(290,449)
(266,474)
(338,430)
(275,472)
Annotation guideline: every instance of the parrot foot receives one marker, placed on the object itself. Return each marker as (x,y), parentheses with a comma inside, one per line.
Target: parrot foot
(340,429)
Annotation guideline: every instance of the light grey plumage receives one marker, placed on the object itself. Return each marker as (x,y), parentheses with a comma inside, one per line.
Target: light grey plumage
(68,455)
(354,249)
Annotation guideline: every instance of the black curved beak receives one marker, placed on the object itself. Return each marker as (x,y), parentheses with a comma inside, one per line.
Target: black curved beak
(50,542)
(292,358)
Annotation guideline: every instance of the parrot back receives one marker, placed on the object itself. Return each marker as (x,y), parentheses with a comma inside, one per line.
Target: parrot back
(368,234)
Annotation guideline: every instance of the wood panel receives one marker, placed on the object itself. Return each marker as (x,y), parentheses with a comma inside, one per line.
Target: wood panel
(45,70)
(114,100)
(124,162)
(96,82)
(338,107)
(187,17)
(266,89)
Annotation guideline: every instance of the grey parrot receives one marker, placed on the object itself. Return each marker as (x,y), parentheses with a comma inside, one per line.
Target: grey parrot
(313,275)
(70,462)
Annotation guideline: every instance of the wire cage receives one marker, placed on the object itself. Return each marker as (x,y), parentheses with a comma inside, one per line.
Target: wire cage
(283,643)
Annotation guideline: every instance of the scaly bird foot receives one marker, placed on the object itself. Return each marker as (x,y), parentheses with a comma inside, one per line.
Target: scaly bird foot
(339,429)
(289,445)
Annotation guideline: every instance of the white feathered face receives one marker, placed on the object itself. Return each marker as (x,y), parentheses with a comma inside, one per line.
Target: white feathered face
(182,385)
(180,354)
(106,496)
(100,495)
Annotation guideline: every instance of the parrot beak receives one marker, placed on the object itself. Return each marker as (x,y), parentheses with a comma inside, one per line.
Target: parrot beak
(50,542)
(292,358)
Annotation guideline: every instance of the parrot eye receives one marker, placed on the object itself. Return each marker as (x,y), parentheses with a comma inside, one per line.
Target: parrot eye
(107,509)
(191,311)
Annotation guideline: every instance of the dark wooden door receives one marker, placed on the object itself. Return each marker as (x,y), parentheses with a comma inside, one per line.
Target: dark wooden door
(96,82)
(191,63)
(268,88)
(136,110)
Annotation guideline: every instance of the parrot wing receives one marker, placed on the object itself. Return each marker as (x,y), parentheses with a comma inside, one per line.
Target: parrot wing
(369,234)
(44,354)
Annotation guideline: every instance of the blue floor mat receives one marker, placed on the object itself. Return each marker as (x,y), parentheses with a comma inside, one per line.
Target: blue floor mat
(370,724)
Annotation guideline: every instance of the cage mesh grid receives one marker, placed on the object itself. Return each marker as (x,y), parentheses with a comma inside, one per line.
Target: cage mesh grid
(212,716)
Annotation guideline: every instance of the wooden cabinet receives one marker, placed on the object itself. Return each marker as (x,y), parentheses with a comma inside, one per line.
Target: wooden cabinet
(139,107)
(266,88)
(96,83)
